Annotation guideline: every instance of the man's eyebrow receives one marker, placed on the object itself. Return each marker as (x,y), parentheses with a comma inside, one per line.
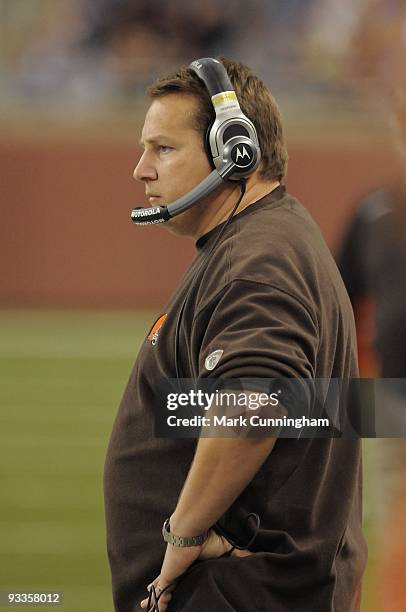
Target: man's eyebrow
(153,140)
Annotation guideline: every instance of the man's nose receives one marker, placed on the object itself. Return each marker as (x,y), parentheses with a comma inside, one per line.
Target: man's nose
(144,170)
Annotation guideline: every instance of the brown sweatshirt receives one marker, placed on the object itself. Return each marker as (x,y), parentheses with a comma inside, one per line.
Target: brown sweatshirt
(271,298)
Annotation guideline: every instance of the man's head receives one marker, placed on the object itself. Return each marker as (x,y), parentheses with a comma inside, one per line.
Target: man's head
(174,134)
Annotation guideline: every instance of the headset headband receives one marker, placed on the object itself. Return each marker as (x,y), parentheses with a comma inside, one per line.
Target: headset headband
(231,127)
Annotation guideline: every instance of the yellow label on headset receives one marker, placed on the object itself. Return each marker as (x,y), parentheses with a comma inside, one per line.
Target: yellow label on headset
(225,99)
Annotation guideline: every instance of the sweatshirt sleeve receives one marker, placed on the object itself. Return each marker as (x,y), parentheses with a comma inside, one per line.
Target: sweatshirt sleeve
(259,331)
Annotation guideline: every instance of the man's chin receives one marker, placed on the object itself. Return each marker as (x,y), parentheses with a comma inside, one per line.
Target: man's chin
(176,225)
(185,223)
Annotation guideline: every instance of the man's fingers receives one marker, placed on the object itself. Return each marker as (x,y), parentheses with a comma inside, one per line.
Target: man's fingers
(241,553)
(163,591)
(163,601)
(215,546)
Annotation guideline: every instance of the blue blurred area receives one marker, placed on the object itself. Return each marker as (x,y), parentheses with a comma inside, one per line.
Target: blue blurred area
(68,54)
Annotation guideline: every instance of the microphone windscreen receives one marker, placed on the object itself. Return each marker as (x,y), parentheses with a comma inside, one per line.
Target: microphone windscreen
(148,216)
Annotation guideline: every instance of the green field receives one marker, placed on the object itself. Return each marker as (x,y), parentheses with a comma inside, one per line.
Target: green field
(62,376)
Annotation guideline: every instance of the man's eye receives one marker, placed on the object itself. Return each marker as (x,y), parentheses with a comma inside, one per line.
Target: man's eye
(164,149)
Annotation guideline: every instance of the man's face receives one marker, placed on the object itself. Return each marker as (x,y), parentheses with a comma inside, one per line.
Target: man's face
(174,160)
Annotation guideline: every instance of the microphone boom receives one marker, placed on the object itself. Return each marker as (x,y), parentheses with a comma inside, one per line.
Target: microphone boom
(160,214)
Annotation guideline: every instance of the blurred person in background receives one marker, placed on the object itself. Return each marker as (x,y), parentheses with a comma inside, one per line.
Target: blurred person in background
(139,38)
(107,49)
(372,256)
(372,260)
(262,298)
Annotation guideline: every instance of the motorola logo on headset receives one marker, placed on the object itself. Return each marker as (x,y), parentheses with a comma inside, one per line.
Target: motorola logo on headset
(242,155)
(232,140)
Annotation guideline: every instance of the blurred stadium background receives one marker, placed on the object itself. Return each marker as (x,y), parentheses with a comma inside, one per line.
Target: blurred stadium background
(81,286)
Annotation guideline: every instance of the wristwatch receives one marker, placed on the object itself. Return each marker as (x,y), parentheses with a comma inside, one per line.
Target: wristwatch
(179,541)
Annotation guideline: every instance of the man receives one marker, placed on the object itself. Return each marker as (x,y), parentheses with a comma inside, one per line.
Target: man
(262,299)
(372,260)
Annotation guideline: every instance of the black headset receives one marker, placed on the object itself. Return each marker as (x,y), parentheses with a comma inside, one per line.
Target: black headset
(232,143)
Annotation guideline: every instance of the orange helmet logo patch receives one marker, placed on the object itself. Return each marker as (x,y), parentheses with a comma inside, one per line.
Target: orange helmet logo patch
(153,334)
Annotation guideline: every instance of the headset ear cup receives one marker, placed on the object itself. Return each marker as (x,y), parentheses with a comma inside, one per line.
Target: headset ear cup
(245,155)
(207,147)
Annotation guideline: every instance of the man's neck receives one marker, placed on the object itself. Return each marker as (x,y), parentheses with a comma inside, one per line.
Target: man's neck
(254,192)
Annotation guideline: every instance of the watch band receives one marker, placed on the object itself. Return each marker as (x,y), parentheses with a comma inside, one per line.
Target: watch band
(179,541)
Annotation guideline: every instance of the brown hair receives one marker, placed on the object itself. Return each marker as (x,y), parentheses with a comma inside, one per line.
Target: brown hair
(256,102)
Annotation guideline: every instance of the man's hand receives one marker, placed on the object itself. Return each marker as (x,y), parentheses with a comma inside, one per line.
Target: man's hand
(220,471)
(178,560)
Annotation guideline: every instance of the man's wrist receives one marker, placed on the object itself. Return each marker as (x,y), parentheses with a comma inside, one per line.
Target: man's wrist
(182,540)
(187,525)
